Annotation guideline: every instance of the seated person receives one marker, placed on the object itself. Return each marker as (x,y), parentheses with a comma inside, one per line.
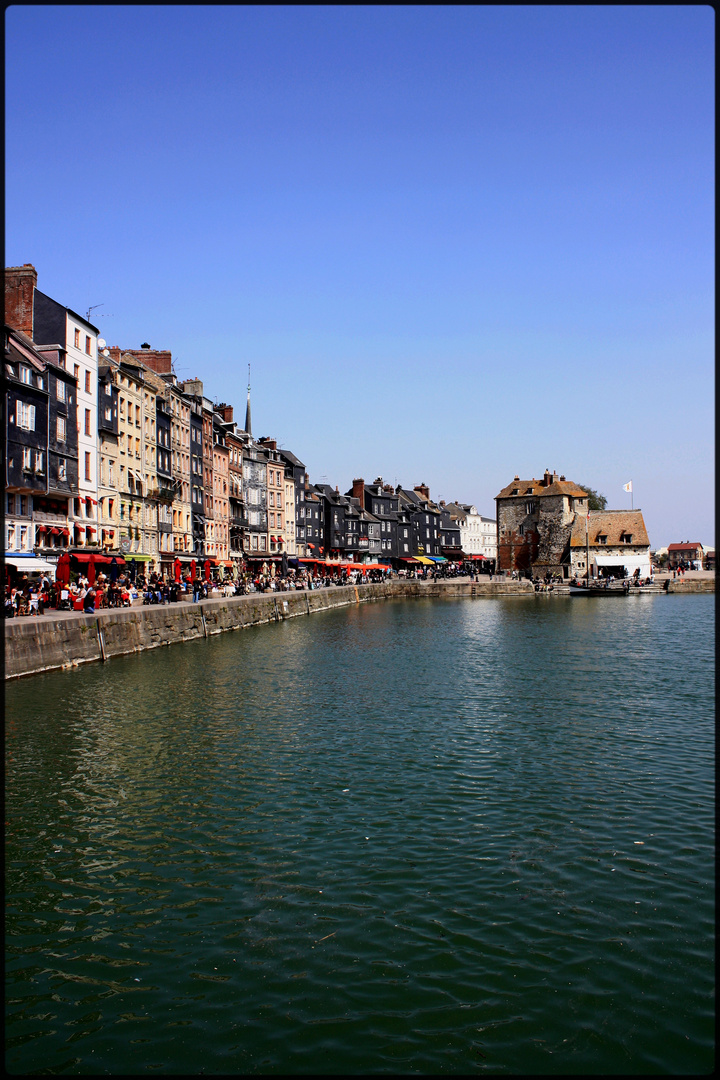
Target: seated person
(89,601)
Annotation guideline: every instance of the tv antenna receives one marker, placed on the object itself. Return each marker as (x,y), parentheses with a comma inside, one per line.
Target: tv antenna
(104,314)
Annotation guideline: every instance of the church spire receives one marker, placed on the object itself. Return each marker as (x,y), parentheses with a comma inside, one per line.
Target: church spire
(248,420)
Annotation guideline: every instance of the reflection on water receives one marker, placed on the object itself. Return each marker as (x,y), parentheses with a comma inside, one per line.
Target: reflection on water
(411,836)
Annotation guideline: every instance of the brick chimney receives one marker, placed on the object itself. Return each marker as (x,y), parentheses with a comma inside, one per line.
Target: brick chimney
(20,285)
(423,490)
(158,360)
(358,490)
(270,443)
(226,411)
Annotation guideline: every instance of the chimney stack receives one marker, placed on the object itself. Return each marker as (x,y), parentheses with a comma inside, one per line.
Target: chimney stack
(20,285)
(158,360)
(358,492)
(422,489)
(194,387)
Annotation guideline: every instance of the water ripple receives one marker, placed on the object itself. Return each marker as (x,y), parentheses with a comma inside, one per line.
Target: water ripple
(408,837)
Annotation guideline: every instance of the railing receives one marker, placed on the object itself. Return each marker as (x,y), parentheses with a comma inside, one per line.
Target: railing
(53,519)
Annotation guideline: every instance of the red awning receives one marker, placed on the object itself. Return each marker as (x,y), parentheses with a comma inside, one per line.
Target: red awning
(65,532)
(84,557)
(42,528)
(56,532)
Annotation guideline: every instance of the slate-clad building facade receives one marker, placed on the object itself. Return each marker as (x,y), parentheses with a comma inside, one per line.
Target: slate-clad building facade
(26,447)
(53,513)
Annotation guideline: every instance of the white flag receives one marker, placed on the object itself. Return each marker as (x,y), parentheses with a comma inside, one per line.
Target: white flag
(628,486)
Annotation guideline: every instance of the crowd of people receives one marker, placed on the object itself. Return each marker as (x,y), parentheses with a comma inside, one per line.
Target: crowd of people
(35,595)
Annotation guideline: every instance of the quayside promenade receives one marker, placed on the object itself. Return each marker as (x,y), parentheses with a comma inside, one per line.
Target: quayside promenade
(34,644)
(66,639)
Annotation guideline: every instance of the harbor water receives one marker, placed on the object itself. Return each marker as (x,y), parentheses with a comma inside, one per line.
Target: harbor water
(449,836)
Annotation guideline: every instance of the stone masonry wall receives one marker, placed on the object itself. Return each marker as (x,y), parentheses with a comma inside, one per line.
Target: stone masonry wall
(35,645)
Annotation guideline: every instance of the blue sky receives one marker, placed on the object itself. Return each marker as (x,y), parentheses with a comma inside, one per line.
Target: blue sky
(455,244)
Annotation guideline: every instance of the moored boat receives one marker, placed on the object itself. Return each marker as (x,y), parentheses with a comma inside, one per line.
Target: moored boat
(616,589)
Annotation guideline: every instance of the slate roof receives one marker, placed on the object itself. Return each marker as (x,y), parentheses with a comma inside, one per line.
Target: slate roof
(610,523)
(289,456)
(20,346)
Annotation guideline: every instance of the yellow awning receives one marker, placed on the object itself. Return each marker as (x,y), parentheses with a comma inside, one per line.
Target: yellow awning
(424,559)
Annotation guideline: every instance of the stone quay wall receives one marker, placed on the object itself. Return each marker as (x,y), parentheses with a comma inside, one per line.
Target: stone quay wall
(33,645)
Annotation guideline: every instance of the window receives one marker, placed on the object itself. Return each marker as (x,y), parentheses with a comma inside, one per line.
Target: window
(39,461)
(87,464)
(108,389)
(23,505)
(88,349)
(25,416)
(87,383)
(62,469)
(602,538)
(626,538)
(108,412)
(61,429)
(87,422)
(11,504)
(25,374)
(521,530)
(530,507)
(27,457)
(77,340)
(76,370)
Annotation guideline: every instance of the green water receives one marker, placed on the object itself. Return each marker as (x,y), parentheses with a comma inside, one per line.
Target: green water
(410,837)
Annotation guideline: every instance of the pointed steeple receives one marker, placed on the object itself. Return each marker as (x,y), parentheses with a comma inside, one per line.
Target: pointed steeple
(248,419)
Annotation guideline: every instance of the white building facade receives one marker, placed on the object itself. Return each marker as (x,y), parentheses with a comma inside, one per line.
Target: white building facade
(81,358)
(478,534)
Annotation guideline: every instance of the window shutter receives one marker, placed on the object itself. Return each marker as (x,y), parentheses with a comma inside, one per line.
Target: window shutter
(31,417)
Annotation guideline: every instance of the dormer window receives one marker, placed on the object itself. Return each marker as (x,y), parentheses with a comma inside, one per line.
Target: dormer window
(626,538)
(516,491)
(602,538)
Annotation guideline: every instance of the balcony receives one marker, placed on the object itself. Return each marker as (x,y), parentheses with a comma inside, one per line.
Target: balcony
(49,519)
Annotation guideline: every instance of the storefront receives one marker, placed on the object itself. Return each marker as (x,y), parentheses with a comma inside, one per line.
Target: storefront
(17,566)
(620,566)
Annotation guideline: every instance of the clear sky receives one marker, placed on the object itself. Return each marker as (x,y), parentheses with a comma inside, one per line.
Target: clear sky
(455,244)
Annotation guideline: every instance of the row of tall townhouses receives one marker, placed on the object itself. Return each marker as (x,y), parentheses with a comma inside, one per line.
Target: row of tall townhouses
(108,452)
